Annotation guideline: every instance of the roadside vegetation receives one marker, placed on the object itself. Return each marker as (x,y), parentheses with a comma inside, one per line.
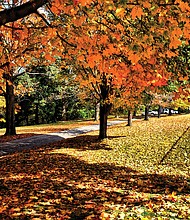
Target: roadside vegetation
(120,177)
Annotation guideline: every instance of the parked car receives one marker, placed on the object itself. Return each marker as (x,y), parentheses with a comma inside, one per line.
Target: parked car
(153,112)
(174,111)
(166,111)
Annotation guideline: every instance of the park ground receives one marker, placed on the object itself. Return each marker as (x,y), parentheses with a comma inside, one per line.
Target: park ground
(120,177)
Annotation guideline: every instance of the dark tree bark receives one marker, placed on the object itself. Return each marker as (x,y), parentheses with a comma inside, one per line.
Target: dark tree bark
(104,112)
(105,107)
(21,11)
(146,113)
(170,112)
(37,114)
(179,110)
(129,117)
(10,106)
(103,121)
(135,113)
(159,111)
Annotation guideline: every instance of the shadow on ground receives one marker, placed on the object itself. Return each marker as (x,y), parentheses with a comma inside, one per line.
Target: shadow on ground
(85,142)
(37,184)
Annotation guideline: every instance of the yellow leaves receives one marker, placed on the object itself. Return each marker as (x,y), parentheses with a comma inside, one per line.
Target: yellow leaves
(120,12)
(158,75)
(136,12)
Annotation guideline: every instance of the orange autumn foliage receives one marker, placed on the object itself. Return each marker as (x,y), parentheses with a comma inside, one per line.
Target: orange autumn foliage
(128,43)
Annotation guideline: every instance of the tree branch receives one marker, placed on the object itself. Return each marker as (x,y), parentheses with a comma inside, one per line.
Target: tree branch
(21,11)
(3,91)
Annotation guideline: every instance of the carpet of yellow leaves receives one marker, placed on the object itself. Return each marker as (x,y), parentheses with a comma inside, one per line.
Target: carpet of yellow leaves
(142,146)
(117,178)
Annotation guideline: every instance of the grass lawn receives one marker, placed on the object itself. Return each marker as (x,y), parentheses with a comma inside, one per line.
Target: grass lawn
(118,178)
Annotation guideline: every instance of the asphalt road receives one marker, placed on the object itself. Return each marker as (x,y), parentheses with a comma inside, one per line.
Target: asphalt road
(39,140)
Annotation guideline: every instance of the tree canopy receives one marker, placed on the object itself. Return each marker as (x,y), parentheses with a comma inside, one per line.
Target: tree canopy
(117,48)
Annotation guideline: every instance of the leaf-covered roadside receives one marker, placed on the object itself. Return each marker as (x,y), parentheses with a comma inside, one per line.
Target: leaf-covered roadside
(28,131)
(118,178)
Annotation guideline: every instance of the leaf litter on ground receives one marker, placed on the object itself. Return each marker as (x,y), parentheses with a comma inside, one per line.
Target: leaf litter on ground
(29,131)
(117,178)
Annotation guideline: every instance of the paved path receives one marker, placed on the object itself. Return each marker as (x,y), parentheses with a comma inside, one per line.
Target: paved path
(39,140)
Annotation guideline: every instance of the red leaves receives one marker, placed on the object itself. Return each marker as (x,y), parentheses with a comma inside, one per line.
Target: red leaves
(76,2)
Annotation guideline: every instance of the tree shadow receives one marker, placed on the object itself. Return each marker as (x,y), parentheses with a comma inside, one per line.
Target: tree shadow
(6,138)
(30,141)
(82,143)
(39,184)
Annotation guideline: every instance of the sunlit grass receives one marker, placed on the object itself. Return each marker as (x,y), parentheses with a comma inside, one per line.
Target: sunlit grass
(142,146)
(117,178)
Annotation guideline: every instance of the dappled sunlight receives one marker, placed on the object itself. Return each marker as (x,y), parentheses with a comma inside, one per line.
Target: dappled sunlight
(141,146)
(85,178)
(59,186)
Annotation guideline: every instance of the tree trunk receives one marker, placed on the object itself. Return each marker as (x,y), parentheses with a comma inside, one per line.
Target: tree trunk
(130,115)
(179,110)
(159,111)
(97,111)
(105,107)
(27,121)
(135,113)
(170,112)
(104,111)
(37,114)
(10,107)
(146,113)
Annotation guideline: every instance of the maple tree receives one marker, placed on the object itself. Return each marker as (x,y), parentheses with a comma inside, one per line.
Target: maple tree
(179,84)
(18,9)
(19,45)
(122,48)
(116,45)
